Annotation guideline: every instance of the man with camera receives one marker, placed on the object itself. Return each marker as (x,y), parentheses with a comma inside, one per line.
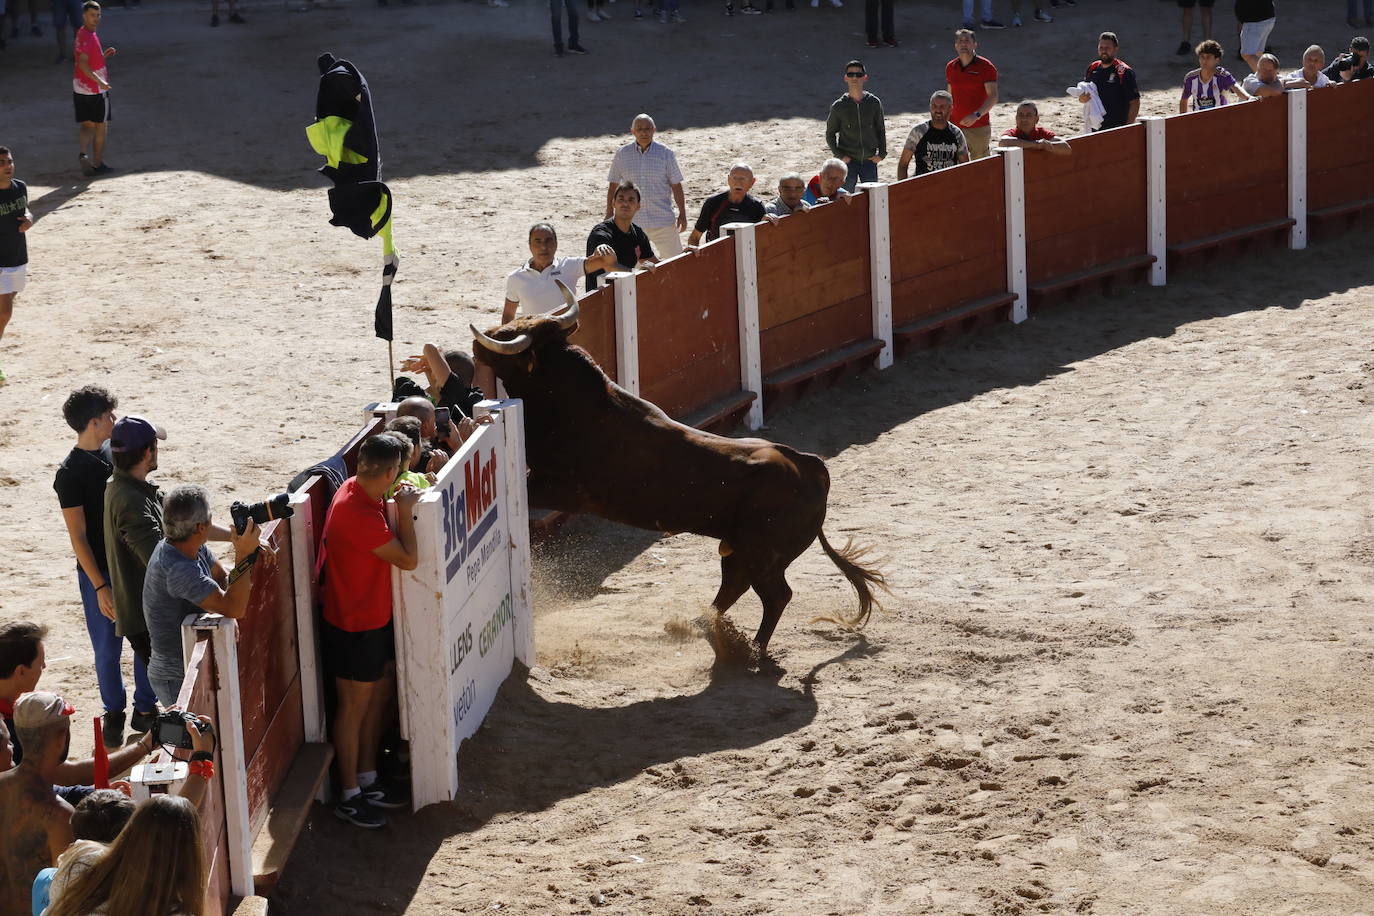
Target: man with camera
(359,549)
(183,578)
(1351,66)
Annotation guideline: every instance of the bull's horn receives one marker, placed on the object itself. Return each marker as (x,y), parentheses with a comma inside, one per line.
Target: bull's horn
(504,347)
(568,318)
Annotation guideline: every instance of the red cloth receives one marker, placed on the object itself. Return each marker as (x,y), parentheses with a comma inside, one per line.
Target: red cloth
(1038,134)
(357,582)
(966,83)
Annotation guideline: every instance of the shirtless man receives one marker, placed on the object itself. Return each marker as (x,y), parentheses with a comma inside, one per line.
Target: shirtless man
(37,823)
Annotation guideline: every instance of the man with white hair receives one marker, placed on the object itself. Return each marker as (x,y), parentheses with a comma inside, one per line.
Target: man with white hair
(1311,75)
(653,169)
(184,578)
(829,183)
(791,191)
(733,205)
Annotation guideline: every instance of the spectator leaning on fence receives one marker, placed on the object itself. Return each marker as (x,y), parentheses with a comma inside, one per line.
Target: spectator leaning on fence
(630,243)
(1115,82)
(1353,65)
(1256,18)
(791,191)
(407,430)
(972,81)
(1311,75)
(533,287)
(359,549)
(183,578)
(827,184)
(1265,81)
(855,130)
(733,205)
(448,377)
(80,484)
(1206,87)
(936,143)
(654,170)
(1029,135)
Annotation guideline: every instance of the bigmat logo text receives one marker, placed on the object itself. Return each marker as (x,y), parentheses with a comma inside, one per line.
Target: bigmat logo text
(470,514)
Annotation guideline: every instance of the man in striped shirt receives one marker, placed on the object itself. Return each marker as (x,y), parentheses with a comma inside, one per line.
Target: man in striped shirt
(653,169)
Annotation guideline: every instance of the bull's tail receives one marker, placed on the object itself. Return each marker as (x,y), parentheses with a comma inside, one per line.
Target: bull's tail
(864,579)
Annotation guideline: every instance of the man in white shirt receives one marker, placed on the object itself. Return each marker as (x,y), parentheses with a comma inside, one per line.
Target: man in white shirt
(653,169)
(1311,75)
(533,287)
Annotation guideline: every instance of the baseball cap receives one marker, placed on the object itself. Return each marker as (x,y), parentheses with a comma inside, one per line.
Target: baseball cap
(39,709)
(132,434)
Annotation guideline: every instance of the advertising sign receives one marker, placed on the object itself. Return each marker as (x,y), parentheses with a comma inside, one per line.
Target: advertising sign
(463,612)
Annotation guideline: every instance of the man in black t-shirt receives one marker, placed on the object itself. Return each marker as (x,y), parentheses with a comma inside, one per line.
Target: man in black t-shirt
(80,486)
(15,220)
(630,242)
(736,205)
(1115,82)
(1353,65)
(935,144)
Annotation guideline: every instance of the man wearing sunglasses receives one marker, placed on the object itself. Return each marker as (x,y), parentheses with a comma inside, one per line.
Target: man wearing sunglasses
(855,131)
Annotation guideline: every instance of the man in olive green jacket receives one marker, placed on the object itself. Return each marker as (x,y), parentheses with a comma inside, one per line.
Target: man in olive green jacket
(855,131)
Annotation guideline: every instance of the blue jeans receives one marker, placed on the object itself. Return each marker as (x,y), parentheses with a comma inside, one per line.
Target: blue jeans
(860,171)
(556,15)
(108,649)
(1351,8)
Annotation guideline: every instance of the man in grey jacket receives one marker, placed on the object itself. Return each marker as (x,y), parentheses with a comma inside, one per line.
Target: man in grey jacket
(855,131)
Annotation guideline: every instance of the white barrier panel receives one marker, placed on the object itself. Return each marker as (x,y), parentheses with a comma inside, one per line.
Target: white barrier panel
(463,614)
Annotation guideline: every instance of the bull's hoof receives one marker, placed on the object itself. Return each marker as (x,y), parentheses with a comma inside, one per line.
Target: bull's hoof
(732,647)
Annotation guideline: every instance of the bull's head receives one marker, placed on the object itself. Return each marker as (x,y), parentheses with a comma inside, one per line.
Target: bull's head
(518,338)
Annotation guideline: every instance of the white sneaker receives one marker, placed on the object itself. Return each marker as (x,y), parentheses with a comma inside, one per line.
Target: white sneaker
(1042,16)
(837,3)
(1016,20)
(593,16)
(815,4)
(605,15)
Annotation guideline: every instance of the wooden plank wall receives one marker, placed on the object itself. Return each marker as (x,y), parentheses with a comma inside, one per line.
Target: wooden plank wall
(269,674)
(689,330)
(1089,208)
(949,239)
(815,292)
(1209,192)
(1340,148)
(198,695)
(596,328)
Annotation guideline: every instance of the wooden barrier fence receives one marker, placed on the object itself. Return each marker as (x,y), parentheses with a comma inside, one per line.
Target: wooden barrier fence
(747,321)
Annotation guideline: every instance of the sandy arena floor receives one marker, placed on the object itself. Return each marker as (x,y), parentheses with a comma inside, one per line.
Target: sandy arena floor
(1126,666)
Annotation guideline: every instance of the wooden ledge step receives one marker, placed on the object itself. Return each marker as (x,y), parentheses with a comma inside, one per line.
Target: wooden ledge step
(958,313)
(1098,272)
(1183,249)
(287,815)
(826,362)
(1354,206)
(721,413)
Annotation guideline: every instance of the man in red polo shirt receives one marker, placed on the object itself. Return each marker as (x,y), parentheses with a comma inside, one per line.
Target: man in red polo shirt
(1028,134)
(972,80)
(358,551)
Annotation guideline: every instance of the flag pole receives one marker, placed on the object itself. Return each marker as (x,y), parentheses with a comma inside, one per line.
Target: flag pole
(390,364)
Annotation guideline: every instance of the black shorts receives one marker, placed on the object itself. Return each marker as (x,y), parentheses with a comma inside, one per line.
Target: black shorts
(1189,4)
(360,656)
(92,107)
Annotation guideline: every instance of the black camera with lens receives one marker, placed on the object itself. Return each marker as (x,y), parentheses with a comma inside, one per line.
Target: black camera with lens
(276,507)
(172,730)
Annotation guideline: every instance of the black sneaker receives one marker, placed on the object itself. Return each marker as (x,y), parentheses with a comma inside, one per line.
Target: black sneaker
(236,19)
(359,812)
(103,169)
(1184,49)
(385,794)
(142,721)
(112,729)
(214,20)
(577,49)
(991,24)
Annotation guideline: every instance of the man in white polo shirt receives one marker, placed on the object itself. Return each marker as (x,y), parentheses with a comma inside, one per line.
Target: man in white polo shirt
(533,287)
(653,169)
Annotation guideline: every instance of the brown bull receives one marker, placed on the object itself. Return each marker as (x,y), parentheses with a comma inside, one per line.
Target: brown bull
(593,447)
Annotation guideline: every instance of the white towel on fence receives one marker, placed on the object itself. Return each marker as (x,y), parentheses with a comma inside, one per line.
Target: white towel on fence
(1093,112)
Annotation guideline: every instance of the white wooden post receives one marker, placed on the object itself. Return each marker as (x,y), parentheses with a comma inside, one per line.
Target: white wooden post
(224,639)
(880,267)
(302,528)
(1014,181)
(626,329)
(747,306)
(1156,200)
(512,417)
(1297,167)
